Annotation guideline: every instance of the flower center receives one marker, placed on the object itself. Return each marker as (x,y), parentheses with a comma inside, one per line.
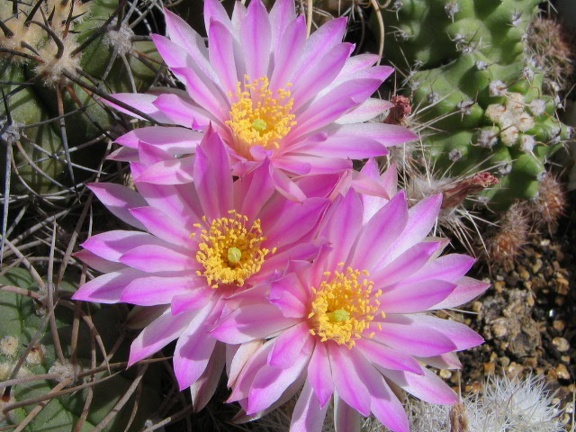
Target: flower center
(344,305)
(230,251)
(260,116)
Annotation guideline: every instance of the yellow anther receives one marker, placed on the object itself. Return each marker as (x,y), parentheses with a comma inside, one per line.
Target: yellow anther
(230,251)
(343,307)
(259,116)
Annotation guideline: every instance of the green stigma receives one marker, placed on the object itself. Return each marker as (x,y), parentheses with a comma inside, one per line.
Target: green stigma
(339,315)
(234,255)
(259,124)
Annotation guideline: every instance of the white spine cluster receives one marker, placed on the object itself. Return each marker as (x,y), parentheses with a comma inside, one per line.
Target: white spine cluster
(507,405)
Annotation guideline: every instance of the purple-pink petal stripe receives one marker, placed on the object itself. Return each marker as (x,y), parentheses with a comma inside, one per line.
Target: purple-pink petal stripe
(308,414)
(428,386)
(289,345)
(255,39)
(213,177)
(349,373)
(320,374)
(111,245)
(157,335)
(346,418)
(156,258)
(193,350)
(119,200)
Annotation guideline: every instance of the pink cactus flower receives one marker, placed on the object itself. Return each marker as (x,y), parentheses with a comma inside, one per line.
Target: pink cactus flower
(271,92)
(195,245)
(356,324)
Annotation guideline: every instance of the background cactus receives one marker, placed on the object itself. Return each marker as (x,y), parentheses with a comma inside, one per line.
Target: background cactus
(477,90)
(56,58)
(61,367)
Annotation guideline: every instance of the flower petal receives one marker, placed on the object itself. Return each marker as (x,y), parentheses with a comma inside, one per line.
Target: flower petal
(289,345)
(308,414)
(253,190)
(346,418)
(205,386)
(270,382)
(212,177)
(249,322)
(368,110)
(466,290)
(382,230)
(387,358)
(131,103)
(163,226)
(405,333)
(418,297)
(422,218)
(461,335)
(182,111)
(106,288)
(111,245)
(222,56)
(255,38)
(386,407)
(156,258)
(119,200)
(157,335)
(168,172)
(349,372)
(316,78)
(288,296)
(320,374)
(150,290)
(185,37)
(193,349)
(287,54)
(341,226)
(427,386)
(405,265)
(100,264)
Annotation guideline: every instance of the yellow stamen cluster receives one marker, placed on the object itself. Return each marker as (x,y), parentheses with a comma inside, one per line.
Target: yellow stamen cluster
(260,116)
(343,307)
(229,251)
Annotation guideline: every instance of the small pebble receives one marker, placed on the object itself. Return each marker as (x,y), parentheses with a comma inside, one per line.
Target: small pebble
(445,373)
(489,368)
(562,372)
(559,325)
(499,330)
(561,344)
(514,369)
(499,286)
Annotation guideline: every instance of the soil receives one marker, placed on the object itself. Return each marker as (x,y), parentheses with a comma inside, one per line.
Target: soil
(528,317)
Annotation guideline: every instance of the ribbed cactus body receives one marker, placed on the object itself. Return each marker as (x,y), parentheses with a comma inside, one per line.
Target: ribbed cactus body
(50,67)
(38,373)
(471,79)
